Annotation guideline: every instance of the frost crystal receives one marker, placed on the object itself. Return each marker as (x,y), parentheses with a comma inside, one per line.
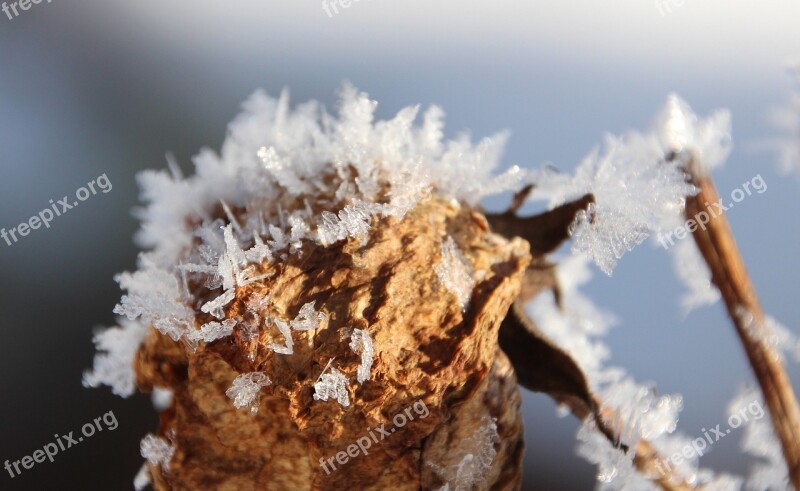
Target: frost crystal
(473,460)
(637,189)
(759,440)
(288,346)
(308,318)
(576,328)
(245,388)
(681,129)
(214,307)
(455,272)
(361,344)
(155,296)
(693,271)
(142,479)
(113,365)
(161,398)
(274,154)
(332,385)
(157,450)
(212,331)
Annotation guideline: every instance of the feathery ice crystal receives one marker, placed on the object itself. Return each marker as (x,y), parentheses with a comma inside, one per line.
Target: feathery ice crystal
(637,190)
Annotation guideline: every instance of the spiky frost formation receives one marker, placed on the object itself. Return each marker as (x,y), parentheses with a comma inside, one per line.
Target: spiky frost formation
(577,326)
(244,390)
(283,177)
(638,190)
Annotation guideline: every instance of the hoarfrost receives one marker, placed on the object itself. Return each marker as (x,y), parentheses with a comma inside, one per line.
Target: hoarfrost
(308,318)
(637,189)
(471,461)
(142,479)
(212,331)
(361,344)
(455,272)
(576,327)
(113,364)
(759,440)
(288,344)
(245,388)
(332,385)
(157,450)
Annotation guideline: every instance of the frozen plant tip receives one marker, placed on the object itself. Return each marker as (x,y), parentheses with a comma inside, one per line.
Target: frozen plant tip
(315,237)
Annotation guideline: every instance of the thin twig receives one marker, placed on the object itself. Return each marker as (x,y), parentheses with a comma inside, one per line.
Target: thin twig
(718,247)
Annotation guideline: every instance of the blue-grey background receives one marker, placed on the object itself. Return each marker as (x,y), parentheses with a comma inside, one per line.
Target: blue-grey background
(90,87)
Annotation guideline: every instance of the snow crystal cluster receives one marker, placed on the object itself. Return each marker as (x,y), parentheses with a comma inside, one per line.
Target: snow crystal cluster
(245,388)
(157,450)
(639,190)
(759,440)
(332,385)
(471,461)
(640,413)
(285,176)
(112,366)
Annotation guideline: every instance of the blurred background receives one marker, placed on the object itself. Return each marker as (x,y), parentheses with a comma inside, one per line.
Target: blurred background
(91,87)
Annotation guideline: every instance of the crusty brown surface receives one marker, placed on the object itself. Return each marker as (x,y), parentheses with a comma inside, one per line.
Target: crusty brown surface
(426,349)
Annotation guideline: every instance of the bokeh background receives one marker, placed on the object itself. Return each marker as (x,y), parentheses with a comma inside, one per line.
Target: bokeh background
(90,87)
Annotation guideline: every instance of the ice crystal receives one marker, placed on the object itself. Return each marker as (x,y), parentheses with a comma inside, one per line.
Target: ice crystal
(113,364)
(155,296)
(576,326)
(759,440)
(245,388)
(288,345)
(332,385)
(693,271)
(142,479)
(361,344)
(214,307)
(467,467)
(157,450)
(161,398)
(638,188)
(309,319)
(212,331)
(455,272)
(680,129)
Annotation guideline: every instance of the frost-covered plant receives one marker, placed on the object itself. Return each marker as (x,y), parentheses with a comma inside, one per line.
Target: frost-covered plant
(227,299)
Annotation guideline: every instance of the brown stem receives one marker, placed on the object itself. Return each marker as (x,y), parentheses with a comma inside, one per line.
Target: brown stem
(718,247)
